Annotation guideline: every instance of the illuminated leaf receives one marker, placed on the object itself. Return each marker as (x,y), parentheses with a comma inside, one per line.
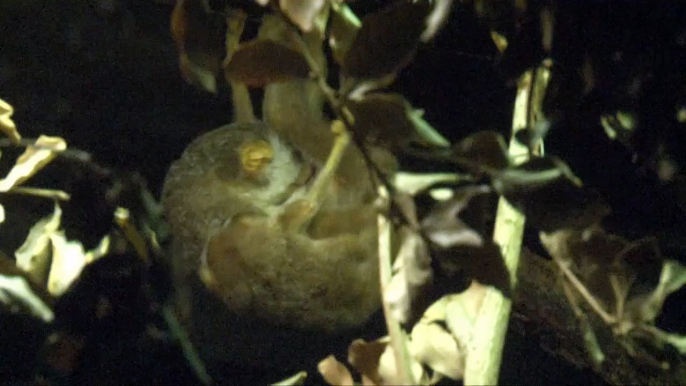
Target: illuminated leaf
(261,62)
(7,125)
(68,260)
(33,159)
(34,255)
(387,41)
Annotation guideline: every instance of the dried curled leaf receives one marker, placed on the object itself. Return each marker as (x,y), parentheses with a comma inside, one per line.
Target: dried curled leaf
(387,41)
(7,125)
(364,357)
(33,159)
(52,260)
(258,63)
(199,37)
(33,256)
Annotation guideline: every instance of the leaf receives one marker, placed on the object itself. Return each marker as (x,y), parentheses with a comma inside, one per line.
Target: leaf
(303,12)
(550,195)
(33,159)
(482,150)
(365,356)
(387,41)
(7,125)
(258,63)
(68,260)
(344,27)
(34,256)
(390,120)
(15,291)
(334,372)
(296,379)
(199,37)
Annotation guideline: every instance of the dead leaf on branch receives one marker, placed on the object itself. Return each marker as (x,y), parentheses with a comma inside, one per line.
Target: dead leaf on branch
(258,63)
(364,357)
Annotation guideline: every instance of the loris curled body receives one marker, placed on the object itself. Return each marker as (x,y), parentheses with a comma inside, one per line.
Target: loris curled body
(267,231)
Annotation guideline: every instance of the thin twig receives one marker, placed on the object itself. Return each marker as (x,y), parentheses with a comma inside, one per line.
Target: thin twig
(584,292)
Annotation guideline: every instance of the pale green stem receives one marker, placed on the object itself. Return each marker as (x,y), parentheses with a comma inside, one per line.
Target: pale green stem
(488,338)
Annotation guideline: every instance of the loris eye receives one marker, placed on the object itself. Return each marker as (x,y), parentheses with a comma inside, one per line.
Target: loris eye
(255,155)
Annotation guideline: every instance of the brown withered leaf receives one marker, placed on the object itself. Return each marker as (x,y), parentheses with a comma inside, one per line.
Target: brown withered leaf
(389,120)
(387,41)
(334,372)
(199,37)
(258,63)
(482,150)
(364,357)
(550,195)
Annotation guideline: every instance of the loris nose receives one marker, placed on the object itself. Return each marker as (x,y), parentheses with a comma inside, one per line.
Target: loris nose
(255,156)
